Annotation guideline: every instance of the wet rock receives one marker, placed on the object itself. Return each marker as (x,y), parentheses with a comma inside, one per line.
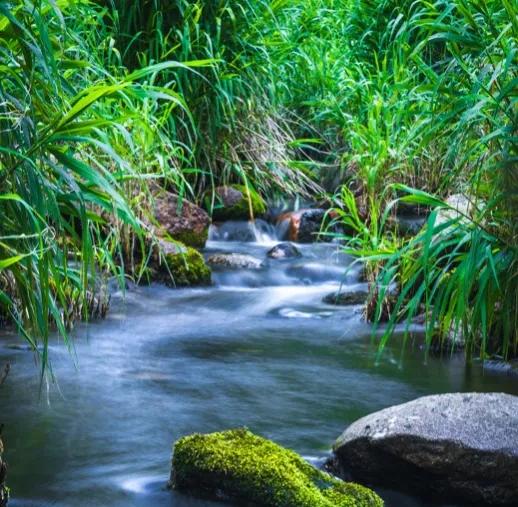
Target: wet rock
(246,469)
(304,225)
(349,297)
(19,346)
(284,251)
(502,367)
(454,447)
(179,219)
(406,225)
(461,206)
(235,202)
(234,261)
(181,266)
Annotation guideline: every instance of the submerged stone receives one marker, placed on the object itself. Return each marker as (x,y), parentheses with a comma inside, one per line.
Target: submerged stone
(284,251)
(239,466)
(451,447)
(234,261)
(344,298)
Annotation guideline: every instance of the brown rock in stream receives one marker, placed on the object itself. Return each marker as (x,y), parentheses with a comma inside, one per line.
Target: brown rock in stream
(180,219)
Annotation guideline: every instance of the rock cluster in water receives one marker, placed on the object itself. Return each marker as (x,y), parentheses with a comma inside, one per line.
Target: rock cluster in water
(348,297)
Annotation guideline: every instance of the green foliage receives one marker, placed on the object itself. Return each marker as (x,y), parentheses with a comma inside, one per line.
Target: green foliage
(238,134)
(78,136)
(250,469)
(461,270)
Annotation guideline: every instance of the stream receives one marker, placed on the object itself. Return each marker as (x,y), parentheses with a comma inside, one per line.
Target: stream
(258,349)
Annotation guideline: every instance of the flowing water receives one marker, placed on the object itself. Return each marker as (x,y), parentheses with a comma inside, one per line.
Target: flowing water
(258,349)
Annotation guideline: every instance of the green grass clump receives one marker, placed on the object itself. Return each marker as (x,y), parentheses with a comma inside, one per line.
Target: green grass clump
(243,467)
(185,267)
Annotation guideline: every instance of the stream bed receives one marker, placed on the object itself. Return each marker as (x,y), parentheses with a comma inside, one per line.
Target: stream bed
(258,349)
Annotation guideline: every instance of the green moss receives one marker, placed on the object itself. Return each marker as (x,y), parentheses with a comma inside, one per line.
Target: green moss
(187,267)
(240,210)
(193,238)
(243,467)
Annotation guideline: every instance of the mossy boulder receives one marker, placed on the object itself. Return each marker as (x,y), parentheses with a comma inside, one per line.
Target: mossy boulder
(239,466)
(183,266)
(234,202)
(179,219)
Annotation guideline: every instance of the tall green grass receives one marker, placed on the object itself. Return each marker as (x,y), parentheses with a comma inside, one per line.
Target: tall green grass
(80,137)
(382,103)
(461,269)
(242,132)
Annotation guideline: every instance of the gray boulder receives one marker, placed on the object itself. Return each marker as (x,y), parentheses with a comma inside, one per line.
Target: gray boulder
(502,367)
(453,447)
(284,251)
(234,261)
(460,206)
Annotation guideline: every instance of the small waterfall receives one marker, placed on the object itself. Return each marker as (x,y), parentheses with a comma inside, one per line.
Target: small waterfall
(257,231)
(264,232)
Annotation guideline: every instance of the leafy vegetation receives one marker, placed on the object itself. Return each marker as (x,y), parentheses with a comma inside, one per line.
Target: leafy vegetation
(79,137)
(381,103)
(456,134)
